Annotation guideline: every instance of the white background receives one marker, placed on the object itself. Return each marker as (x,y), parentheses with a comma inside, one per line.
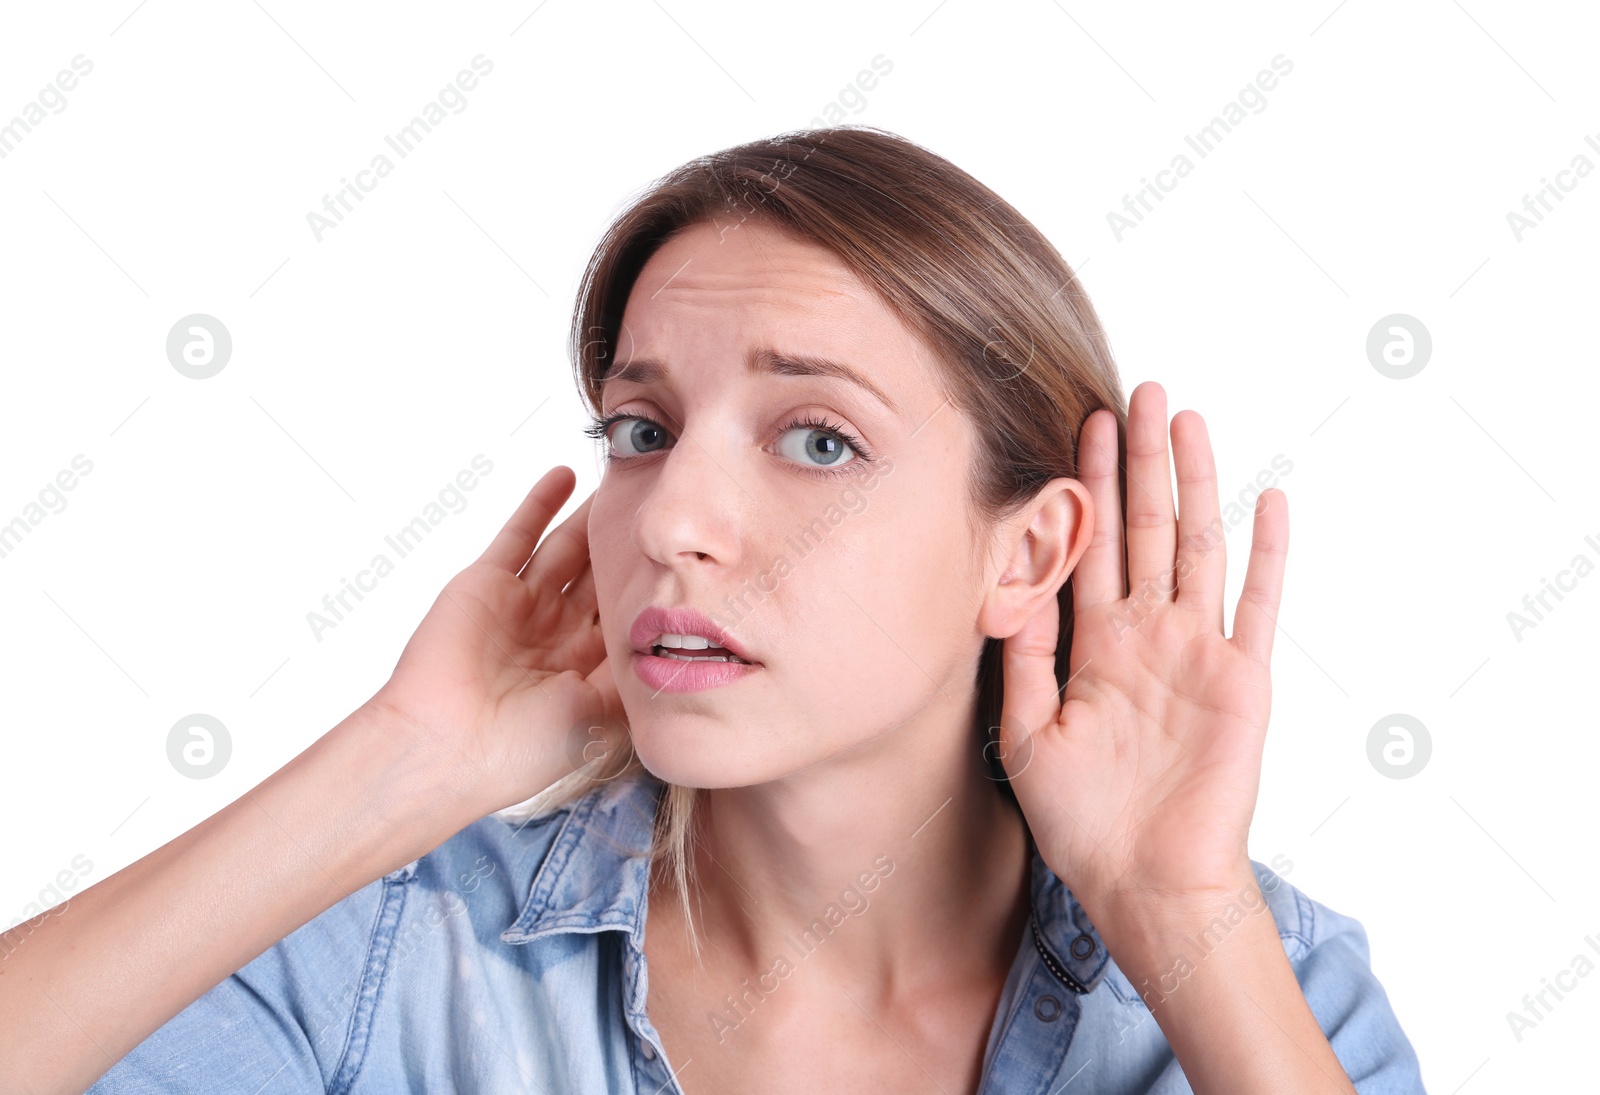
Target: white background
(370,367)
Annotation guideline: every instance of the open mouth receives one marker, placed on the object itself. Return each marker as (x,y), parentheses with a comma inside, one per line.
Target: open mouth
(706,654)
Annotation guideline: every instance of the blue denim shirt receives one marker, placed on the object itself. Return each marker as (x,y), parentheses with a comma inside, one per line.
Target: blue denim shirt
(510,959)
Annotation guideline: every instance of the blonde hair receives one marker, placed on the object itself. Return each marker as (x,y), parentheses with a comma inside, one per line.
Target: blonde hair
(1020,348)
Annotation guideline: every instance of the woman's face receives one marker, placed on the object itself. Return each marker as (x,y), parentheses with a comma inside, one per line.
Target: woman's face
(848,579)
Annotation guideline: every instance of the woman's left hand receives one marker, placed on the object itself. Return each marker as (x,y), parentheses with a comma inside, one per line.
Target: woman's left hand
(1139,784)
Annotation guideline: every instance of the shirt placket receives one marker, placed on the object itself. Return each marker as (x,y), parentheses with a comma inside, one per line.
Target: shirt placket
(654,1075)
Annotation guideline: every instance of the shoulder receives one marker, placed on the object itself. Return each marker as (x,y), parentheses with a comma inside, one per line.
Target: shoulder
(1303,924)
(505,847)
(1331,957)
(1306,927)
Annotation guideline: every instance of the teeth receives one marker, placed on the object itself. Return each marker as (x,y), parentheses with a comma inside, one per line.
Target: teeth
(667,642)
(686,642)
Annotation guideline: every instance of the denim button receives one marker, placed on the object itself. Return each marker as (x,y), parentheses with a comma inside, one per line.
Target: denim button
(648,1050)
(1082,947)
(1047,1008)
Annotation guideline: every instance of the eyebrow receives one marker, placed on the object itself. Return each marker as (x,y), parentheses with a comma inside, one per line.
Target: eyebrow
(762,359)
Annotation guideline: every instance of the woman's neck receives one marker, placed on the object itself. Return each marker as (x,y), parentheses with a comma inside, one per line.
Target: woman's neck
(853,869)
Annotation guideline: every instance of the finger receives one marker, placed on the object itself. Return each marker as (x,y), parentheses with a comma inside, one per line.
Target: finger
(1255,620)
(1028,669)
(1152,529)
(1202,563)
(515,541)
(1098,577)
(564,553)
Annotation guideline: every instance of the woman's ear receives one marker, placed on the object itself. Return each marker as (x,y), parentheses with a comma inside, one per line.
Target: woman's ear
(1037,549)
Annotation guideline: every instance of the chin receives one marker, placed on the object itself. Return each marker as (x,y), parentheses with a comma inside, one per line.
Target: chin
(690,767)
(682,752)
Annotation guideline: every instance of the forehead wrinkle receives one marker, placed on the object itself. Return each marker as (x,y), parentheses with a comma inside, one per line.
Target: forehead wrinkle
(781,289)
(771,278)
(790,266)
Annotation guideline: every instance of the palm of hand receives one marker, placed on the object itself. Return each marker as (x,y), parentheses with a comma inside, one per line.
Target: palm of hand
(511,645)
(1138,780)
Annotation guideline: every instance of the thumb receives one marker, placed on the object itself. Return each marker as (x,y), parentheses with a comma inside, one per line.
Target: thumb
(1028,667)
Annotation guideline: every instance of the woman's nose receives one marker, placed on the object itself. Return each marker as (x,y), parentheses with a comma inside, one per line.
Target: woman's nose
(691,510)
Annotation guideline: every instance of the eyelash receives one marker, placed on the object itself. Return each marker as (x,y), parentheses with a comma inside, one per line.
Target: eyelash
(601,426)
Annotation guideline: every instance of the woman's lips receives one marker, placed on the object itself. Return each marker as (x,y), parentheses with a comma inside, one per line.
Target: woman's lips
(674,676)
(656,621)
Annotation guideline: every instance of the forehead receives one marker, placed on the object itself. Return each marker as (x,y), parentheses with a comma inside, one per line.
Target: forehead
(757,282)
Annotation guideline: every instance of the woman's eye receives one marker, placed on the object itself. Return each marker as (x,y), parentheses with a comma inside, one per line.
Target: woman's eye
(636,436)
(814,444)
(808,444)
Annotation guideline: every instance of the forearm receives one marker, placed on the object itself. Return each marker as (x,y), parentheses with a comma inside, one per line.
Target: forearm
(82,985)
(1224,994)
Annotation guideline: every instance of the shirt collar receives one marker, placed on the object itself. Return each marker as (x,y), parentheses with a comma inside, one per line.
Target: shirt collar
(596,873)
(596,876)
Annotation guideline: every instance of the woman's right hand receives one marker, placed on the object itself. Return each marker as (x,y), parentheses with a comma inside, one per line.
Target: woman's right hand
(491,702)
(507,677)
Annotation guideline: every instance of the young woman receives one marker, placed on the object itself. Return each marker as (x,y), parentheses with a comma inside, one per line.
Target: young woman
(924,773)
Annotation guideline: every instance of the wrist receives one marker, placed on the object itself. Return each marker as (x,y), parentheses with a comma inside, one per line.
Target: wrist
(416,797)
(1152,932)
(1214,973)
